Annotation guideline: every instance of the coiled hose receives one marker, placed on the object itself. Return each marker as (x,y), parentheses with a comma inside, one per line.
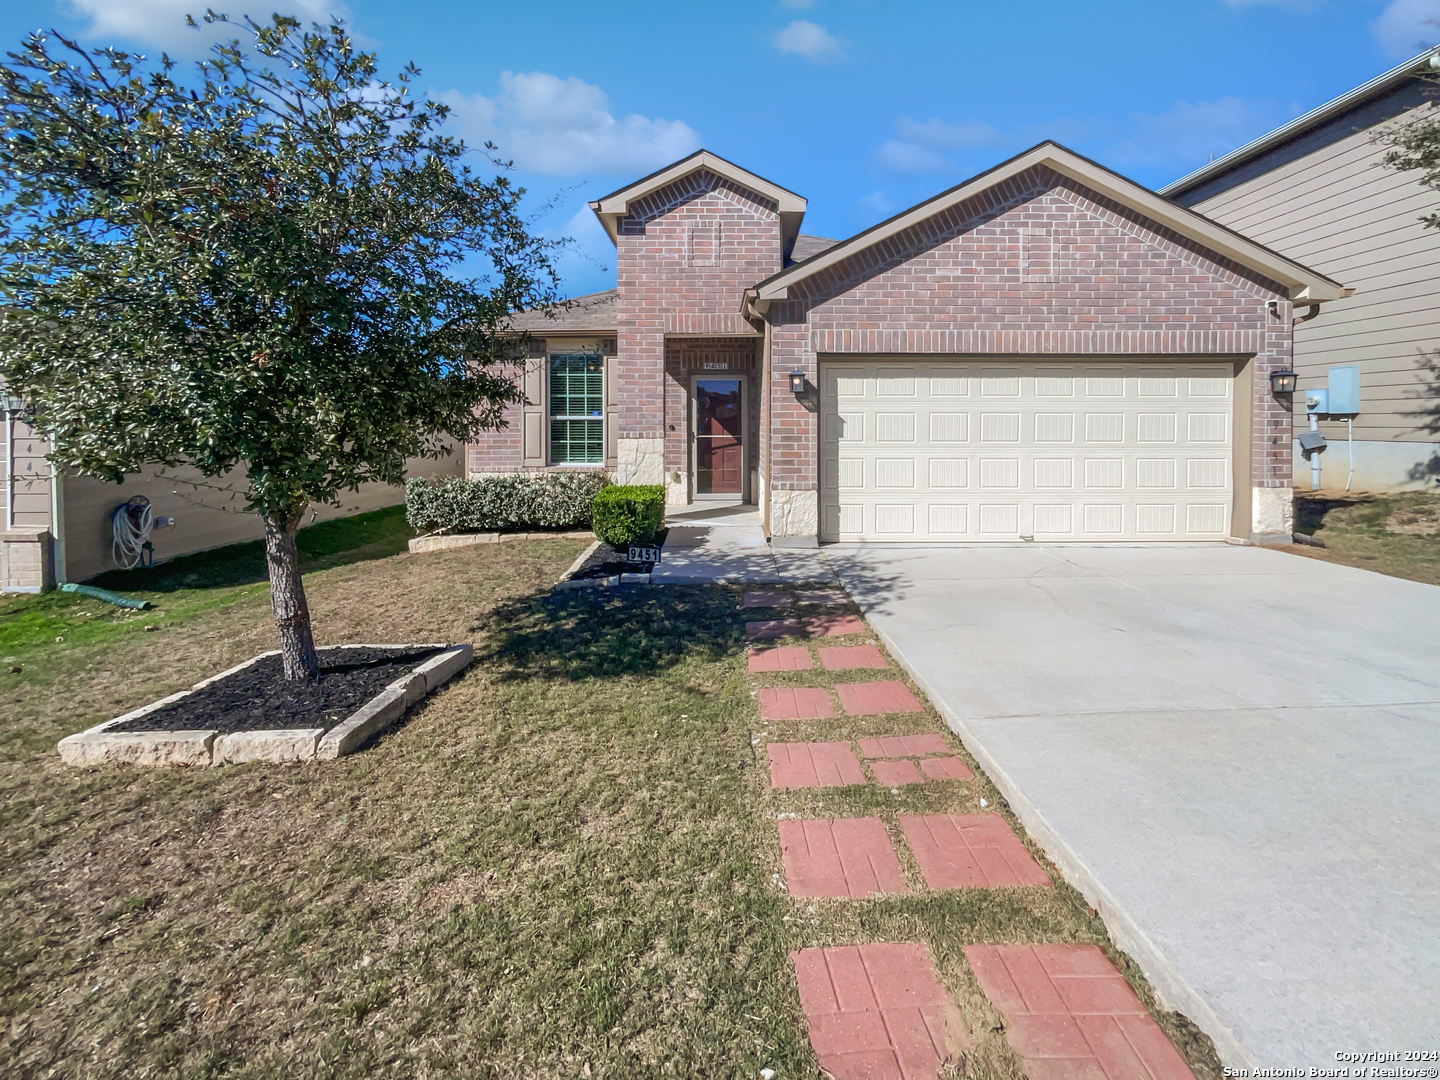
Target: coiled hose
(130,525)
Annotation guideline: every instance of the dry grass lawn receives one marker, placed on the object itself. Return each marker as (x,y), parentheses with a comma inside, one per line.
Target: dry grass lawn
(1396,533)
(562,865)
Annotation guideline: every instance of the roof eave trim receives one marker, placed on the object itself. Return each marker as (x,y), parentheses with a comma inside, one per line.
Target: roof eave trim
(1297,279)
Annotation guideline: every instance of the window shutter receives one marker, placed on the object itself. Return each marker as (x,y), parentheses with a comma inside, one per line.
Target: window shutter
(532,413)
(612,404)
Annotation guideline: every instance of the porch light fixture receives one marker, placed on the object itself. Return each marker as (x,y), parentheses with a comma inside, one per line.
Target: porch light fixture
(1283,382)
(797,382)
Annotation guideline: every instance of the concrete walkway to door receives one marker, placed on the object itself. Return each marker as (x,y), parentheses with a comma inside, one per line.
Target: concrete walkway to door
(1234,753)
(710,543)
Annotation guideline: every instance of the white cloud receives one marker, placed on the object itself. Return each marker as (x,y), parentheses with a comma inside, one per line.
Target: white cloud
(563,127)
(879,204)
(896,156)
(815,43)
(1186,134)
(162,22)
(940,135)
(1407,27)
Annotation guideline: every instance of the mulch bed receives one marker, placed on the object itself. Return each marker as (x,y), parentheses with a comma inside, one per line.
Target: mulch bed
(606,561)
(260,698)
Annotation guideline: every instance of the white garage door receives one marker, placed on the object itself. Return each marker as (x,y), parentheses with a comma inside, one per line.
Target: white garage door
(937,451)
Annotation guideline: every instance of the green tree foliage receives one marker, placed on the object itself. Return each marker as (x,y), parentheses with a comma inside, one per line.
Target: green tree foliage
(265,269)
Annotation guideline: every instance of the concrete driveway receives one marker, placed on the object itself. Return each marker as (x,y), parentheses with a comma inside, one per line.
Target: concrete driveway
(1233,752)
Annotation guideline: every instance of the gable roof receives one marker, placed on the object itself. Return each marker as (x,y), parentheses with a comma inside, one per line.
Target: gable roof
(806,246)
(1304,285)
(593,312)
(1397,76)
(611,208)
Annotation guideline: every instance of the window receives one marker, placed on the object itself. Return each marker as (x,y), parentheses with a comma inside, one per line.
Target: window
(577,409)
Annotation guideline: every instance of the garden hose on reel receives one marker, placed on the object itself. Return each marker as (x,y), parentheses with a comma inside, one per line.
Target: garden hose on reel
(130,526)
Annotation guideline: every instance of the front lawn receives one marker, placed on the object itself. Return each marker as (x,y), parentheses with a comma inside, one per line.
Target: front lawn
(563,865)
(1396,533)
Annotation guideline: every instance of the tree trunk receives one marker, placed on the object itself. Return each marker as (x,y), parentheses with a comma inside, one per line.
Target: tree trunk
(287,595)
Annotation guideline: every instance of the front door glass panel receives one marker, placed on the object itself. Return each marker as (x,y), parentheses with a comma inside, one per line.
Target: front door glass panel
(719,446)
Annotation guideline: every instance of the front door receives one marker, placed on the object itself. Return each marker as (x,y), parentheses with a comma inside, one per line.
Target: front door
(719,446)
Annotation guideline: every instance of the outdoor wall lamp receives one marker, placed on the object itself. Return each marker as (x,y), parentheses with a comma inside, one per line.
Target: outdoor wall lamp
(1283,382)
(797,382)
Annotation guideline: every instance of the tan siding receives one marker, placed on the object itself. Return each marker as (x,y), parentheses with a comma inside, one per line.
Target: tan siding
(1342,212)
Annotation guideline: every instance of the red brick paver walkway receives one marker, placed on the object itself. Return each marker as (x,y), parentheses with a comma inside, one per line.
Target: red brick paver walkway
(766,629)
(846,857)
(904,746)
(1069,1013)
(833,625)
(876,698)
(766,598)
(781,658)
(877,1012)
(896,773)
(823,764)
(795,703)
(845,657)
(970,851)
(946,768)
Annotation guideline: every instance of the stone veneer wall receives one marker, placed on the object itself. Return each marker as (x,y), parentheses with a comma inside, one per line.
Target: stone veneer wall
(1034,267)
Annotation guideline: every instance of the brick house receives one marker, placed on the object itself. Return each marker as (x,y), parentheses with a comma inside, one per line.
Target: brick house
(1045,351)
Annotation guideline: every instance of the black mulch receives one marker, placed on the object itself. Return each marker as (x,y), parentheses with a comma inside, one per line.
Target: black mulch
(607,561)
(261,698)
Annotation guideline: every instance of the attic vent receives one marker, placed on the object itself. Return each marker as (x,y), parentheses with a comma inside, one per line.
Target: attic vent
(1037,255)
(704,245)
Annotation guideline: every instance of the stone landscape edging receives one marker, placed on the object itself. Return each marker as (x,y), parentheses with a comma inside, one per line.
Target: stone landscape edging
(101,745)
(446,541)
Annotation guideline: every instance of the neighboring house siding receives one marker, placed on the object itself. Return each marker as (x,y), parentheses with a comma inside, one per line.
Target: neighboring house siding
(1035,266)
(1341,211)
(684,256)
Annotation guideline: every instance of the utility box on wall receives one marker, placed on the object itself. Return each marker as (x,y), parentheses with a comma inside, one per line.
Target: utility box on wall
(1344,391)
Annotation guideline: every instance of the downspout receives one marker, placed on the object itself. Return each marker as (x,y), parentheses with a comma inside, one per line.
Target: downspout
(57,525)
(9,467)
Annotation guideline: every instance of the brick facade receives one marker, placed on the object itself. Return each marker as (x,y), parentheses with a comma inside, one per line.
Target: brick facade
(1035,266)
(684,257)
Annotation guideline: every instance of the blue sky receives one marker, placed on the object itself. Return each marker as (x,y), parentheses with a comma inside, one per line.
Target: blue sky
(862,106)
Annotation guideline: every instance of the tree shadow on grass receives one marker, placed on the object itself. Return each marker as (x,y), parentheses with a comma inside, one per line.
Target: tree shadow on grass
(612,633)
(374,535)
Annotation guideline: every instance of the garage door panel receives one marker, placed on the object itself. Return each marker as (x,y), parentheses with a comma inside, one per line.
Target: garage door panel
(975,451)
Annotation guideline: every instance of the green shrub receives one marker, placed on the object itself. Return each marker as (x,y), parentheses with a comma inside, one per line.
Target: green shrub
(517,501)
(625,514)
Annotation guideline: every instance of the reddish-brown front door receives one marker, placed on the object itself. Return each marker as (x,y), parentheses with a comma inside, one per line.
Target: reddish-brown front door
(719,447)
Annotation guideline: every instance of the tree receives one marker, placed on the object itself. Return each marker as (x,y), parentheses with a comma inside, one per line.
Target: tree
(262,269)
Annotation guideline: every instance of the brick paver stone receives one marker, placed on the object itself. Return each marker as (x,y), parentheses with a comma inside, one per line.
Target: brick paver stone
(1069,1013)
(766,629)
(822,764)
(874,698)
(781,658)
(904,746)
(946,768)
(846,857)
(823,596)
(795,703)
(896,773)
(970,851)
(845,657)
(834,625)
(766,598)
(877,1012)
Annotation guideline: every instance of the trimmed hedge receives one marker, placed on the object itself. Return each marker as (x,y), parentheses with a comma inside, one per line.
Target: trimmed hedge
(518,501)
(625,514)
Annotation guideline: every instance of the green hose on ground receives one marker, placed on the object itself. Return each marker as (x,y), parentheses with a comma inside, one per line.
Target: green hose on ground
(106,595)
